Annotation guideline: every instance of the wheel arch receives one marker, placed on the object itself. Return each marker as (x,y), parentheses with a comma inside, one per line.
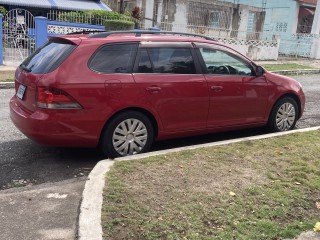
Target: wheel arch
(136,109)
(291,95)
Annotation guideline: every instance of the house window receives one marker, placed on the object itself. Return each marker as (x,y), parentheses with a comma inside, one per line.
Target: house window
(251,24)
(215,19)
(219,19)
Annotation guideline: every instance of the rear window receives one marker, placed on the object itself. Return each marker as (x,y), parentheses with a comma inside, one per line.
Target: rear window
(48,57)
(115,58)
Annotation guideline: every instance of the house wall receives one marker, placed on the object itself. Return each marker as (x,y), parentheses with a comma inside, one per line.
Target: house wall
(195,17)
(280,15)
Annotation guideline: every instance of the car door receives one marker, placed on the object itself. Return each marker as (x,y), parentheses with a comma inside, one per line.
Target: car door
(237,95)
(173,84)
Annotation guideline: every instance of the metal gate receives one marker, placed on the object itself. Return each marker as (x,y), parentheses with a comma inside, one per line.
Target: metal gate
(18,36)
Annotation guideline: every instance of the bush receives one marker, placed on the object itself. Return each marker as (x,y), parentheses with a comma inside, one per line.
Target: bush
(91,16)
(78,17)
(116,25)
(3,11)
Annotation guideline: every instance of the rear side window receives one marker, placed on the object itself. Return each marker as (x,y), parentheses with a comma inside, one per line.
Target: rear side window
(166,60)
(116,58)
(48,57)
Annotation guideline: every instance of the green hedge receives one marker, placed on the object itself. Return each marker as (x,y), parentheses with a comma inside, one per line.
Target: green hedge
(91,16)
(115,25)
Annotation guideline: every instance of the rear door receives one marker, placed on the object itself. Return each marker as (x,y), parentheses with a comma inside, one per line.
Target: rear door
(173,84)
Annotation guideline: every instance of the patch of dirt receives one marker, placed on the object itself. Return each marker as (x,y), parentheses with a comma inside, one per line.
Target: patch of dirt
(193,176)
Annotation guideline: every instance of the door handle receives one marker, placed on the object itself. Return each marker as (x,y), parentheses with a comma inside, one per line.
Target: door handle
(153,89)
(216,88)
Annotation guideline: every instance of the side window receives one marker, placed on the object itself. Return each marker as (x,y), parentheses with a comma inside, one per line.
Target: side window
(220,61)
(144,63)
(115,58)
(166,60)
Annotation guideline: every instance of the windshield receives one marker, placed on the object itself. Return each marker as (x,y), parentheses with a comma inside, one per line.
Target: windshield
(48,57)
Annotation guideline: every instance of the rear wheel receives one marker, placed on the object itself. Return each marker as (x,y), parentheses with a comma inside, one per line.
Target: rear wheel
(128,133)
(284,115)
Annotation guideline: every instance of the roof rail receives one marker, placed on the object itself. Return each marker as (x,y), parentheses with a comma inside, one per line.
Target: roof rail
(138,33)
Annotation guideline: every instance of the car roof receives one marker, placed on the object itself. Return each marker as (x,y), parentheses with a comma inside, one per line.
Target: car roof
(138,35)
(101,37)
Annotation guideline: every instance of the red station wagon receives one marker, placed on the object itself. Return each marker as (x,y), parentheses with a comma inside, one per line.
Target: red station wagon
(121,91)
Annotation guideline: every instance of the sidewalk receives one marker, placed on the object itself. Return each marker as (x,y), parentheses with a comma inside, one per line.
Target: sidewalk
(7,68)
(41,212)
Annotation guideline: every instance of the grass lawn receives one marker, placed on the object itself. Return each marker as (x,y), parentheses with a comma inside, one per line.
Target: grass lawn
(264,189)
(6,76)
(286,66)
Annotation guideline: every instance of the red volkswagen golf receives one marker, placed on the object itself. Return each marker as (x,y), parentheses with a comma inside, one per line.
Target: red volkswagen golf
(121,91)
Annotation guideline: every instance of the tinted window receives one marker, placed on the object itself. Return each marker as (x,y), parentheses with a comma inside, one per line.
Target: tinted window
(167,60)
(116,58)
(145,63)
(48,57)
(220,61)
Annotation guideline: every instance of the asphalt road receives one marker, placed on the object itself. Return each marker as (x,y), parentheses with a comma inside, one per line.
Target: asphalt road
(24,162)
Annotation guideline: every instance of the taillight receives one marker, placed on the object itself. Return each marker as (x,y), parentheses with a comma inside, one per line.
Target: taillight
(54,98)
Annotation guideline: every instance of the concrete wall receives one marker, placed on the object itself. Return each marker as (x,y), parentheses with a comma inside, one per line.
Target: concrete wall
(256,50)
(277,11)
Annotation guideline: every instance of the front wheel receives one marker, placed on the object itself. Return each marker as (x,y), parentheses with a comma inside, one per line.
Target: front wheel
(284,115)
(128,133)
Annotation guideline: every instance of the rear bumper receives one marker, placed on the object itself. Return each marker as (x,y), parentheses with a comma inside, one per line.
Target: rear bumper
(56,128)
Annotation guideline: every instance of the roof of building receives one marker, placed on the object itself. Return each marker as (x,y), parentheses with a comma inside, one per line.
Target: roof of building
(74,5)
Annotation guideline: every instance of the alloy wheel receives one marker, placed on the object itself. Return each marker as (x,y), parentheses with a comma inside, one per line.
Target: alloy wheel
(130,137)
(285,116)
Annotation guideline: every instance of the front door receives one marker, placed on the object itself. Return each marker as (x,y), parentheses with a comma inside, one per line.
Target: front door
(237,96)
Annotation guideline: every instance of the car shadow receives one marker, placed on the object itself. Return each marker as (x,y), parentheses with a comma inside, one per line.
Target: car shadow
(202,139)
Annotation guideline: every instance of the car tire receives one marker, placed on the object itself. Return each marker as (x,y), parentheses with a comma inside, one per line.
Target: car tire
(284,115)
(127,133)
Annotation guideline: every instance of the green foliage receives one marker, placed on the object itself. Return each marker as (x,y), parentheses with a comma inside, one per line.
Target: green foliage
(287,66)
(3,11)
(116,25)
(107,14)
(91,16)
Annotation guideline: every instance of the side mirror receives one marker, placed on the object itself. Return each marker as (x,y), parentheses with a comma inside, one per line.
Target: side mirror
(259,71)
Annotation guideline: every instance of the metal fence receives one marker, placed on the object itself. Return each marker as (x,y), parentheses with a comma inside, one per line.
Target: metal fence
(219,32)
(18,36)
(82,17)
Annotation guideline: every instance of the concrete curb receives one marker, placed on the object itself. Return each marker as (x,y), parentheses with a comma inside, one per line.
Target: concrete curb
(6,85)
(90,210)
(297,72)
